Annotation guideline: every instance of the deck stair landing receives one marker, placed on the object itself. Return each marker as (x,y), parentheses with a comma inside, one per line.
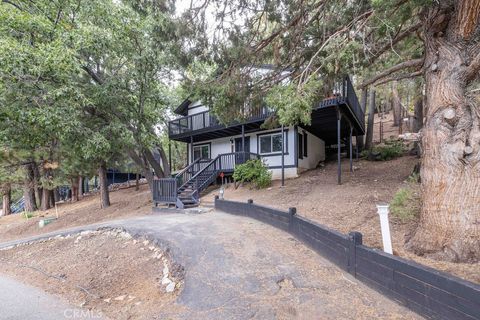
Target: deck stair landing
(185,188)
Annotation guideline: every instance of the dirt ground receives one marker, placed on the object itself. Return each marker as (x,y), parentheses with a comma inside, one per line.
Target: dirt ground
(125,203)
(106,271)
(350,206)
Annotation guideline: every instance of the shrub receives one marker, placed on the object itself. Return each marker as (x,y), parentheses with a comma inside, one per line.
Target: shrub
(254,171)
(405,204)
(388,150)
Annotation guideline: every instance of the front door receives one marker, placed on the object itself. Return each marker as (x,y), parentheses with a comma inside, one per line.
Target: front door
(240,157)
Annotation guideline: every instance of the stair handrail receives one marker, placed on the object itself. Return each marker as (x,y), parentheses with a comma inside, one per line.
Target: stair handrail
(186,168)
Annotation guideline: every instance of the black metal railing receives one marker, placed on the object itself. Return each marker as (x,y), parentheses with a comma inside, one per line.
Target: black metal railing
(348,93)
(206,120)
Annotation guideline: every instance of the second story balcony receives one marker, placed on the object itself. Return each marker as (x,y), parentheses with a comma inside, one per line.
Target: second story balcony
(205,126)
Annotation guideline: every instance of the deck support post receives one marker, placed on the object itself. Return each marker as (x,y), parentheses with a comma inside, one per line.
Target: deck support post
(191,149)
(243,143)
(170,155)
(283,155)
(339,163)
(356,149)
(351,147)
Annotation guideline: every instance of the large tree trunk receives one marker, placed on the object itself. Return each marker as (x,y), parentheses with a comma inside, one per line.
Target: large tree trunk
(418,114)
(80,188)
(29,188)
(371,118)
(449,224)
(46,199)
(165,164)
(104,194)
(6,199)
(38,187)
(74,188)
(397,107)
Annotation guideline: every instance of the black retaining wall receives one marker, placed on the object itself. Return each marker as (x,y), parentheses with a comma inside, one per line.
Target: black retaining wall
(431,293)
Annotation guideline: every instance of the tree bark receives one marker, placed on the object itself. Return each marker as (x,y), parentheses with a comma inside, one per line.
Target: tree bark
(137,182)
(38,188)
(74,188)
(80,188)
(148,155)
(371,118)
(165,164)
(449,225)
(56,195)
(363,106)
(29,188)
(418,115)
(6,199)
(104,193)
(397,108)
(46,199)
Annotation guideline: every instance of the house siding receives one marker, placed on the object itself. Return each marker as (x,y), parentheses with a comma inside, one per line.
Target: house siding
(316,151)
(196,107)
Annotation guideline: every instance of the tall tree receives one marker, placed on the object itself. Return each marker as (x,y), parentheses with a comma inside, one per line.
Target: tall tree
(381,41)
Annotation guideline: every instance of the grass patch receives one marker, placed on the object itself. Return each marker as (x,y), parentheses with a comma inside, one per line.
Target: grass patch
(406,204)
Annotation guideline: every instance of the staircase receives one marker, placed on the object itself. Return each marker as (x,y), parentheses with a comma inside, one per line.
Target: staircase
(185,188)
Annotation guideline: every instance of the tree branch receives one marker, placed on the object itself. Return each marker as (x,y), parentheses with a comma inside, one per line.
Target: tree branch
(93,75)
(399,37)
(395,68)
(400,77)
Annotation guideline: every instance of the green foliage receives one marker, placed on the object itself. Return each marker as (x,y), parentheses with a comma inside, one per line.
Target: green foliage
(388,150)
(293,103)
(406,203)
(254,171)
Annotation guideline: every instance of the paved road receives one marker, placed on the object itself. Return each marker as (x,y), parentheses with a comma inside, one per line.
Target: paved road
(19,301)
(238,268)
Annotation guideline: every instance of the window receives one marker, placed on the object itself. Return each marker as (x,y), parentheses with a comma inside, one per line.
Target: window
(271,143)
(201,152)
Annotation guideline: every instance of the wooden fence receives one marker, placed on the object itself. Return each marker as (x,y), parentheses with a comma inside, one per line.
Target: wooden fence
(431,293)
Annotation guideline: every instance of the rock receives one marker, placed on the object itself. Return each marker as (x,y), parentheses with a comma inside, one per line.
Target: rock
(107,300)
(170,287)
(120,298)
(166,281)
(151,247)
(146,242)
(138,303)
(78,239)
(130,298)
(165,270)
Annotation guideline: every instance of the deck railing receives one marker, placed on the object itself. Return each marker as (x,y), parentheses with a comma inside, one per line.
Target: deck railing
(343,92)
(206,120)
(348,92)
(165,190)
(201,172)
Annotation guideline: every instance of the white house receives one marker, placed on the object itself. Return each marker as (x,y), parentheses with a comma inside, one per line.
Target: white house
(214,148)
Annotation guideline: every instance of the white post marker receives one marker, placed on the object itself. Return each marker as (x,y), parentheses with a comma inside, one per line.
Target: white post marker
(385,227)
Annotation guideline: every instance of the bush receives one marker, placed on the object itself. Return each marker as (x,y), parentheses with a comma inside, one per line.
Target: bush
(388,150)
(254,171)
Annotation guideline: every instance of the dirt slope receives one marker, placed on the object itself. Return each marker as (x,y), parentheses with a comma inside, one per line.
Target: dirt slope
(350,206)
(125,203)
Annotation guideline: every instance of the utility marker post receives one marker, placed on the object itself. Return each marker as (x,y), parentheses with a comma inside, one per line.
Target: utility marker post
(385,227)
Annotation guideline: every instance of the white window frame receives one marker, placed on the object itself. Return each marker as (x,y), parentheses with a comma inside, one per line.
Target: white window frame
(200,146)
(271,143)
